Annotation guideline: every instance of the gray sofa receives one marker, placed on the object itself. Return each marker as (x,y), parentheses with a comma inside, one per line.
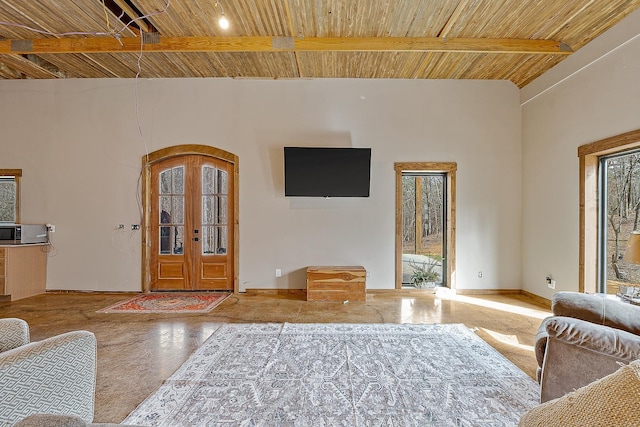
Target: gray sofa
(54,376)
(585,340)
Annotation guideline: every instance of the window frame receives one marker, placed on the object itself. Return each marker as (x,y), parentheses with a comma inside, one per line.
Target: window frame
(589,156)
(16,174)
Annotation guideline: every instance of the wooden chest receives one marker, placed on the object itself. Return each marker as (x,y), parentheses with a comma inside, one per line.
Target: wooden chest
(336,283)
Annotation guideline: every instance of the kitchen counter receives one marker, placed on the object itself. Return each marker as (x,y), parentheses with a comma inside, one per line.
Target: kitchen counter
(12,243)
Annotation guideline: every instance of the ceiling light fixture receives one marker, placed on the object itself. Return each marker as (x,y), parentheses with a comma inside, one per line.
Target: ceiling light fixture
(222,22)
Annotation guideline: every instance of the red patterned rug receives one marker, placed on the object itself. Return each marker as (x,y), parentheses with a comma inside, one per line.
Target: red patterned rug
(183,302)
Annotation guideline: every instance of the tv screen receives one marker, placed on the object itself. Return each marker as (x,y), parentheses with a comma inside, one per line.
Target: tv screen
(326,172)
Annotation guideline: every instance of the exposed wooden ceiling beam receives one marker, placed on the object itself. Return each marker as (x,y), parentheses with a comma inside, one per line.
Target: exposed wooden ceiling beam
(283,44)
(29,68)
(132,14)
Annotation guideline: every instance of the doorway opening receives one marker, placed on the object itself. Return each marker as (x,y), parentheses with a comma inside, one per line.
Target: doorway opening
(424,249)
(425,225)
(190,221)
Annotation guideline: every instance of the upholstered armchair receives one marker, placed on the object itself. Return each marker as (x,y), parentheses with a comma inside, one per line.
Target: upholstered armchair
(586,339)
(53,376)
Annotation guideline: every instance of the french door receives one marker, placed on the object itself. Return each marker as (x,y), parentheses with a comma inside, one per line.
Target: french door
(191,224)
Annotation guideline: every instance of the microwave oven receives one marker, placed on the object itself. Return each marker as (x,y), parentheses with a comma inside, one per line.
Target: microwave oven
(18,234)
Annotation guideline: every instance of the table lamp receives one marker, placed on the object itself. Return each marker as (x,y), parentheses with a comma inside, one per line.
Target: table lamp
(632,253)
(632,256)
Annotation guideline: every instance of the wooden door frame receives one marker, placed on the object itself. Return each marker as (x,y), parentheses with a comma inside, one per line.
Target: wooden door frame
(449,169)
(175,151)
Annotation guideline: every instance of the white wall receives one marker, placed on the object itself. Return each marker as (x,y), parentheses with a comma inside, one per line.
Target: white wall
(592,95)
(77,142)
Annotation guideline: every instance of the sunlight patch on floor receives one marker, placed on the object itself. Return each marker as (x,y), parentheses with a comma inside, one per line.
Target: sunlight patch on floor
(511,340)
(509,308)
(413,312)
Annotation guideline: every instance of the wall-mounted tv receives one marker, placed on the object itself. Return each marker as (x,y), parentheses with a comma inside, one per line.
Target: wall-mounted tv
(326,172)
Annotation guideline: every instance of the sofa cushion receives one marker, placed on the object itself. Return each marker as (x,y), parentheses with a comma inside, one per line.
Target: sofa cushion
(540,342)
(13,333)
(55,375)
(613,342)
(597,309)
(609,401)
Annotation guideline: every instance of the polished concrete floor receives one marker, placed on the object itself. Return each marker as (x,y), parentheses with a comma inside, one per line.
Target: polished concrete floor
(136,352)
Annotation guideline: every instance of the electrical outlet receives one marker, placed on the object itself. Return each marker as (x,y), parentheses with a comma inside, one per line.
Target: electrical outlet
(480,274)
(51,228)
(135,226)
(278,272)
(551,284)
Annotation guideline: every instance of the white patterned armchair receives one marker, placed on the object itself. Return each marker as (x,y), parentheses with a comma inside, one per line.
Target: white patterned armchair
(53,376)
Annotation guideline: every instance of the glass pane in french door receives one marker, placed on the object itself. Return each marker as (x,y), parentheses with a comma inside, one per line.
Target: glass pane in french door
(214,211)
(171,223)
(423,229)
(214,240)
(620,224)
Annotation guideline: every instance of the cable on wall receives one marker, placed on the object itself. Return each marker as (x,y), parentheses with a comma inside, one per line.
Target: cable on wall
(222,22)
(159,12)
(114,32)
(136,98)
(111,32)
(140,132)
(106,13)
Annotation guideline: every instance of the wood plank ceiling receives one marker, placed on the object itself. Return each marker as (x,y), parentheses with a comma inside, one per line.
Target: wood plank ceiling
(407,39)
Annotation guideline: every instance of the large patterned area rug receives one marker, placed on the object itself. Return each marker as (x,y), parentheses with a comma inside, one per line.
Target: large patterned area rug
(169,302)
(341,375)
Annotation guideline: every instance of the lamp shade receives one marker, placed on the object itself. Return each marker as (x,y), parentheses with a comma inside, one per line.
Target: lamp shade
(632,253)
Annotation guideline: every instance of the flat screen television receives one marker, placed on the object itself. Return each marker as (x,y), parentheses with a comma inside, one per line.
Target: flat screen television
(326,172)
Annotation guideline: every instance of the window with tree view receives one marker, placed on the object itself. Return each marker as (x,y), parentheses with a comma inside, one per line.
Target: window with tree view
(10,195)
(619,217)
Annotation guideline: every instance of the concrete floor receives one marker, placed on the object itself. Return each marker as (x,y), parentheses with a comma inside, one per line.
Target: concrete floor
(136,352)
